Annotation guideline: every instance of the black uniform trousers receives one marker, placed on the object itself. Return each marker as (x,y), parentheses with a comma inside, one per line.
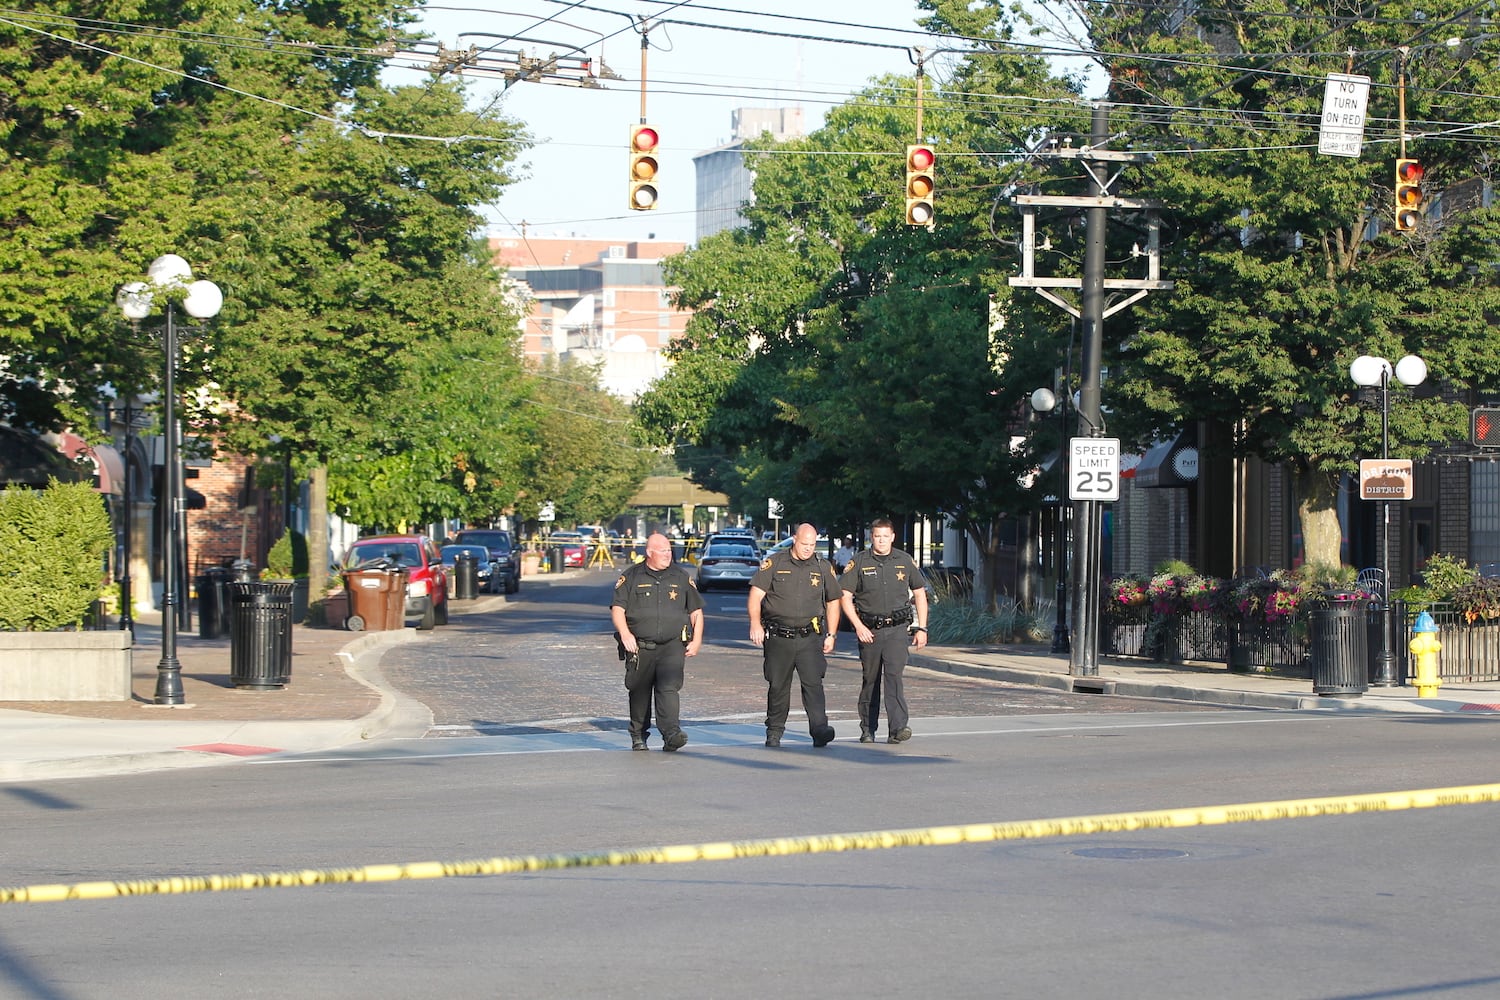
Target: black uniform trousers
(658,673)
(805,656)
(884,662)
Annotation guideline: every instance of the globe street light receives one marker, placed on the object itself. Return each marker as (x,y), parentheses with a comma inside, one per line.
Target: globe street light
(1374,372)
(171,277)
(1044,401)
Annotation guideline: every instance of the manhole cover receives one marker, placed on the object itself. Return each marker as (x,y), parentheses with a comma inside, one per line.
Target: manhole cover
(1130,853)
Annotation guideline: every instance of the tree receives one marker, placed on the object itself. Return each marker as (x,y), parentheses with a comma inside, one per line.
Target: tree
(1286,263)
(846,363)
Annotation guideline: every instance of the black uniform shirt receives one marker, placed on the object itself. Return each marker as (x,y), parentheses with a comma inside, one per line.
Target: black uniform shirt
(881,585)
(657,603)
(797,590)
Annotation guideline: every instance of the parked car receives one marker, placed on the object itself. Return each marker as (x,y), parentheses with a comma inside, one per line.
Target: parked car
(488,569)
(427,578)
(727,562)
(502,549)
(574,548)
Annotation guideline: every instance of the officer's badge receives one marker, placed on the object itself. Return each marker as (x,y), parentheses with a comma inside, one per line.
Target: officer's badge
(901,572)
(816,579)
(620,582)
(765,563)
(672,592)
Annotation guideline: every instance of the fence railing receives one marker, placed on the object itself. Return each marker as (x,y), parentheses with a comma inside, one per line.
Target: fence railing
(1470,651)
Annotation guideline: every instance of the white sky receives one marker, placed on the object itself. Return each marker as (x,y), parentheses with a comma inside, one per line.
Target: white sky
(574,179)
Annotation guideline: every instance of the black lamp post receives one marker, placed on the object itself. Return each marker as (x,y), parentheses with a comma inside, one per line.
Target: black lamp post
(171,277)
(1045,401)
(1375,372)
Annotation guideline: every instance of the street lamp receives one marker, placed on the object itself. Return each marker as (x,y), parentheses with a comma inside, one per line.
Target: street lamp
(1044,401)
(1374,372)
(170,276)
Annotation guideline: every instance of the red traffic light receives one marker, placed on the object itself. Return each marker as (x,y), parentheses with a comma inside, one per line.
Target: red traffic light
(1409,194)
(643,167)
(920,186)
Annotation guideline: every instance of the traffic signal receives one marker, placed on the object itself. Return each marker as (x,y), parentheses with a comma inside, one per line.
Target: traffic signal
(1484,427)
(643,142)
(1408,195)
(920,186)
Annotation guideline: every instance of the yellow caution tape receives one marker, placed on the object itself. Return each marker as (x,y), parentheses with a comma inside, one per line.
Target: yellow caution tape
(935,836)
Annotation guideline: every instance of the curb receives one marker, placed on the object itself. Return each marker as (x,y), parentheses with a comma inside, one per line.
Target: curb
(1285,701)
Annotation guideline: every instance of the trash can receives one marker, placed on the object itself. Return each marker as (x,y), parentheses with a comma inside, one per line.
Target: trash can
(557,558)
(377,599)
(213,602)
(1339,649)
(260,636)
(466,576)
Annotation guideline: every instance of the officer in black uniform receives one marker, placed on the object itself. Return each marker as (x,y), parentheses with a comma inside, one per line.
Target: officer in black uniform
(885,597)
(794,616)
(658,616)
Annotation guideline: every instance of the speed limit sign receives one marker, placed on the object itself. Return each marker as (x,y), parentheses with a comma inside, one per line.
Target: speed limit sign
(1094,469)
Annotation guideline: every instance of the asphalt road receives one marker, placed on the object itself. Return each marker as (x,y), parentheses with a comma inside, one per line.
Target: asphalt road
(1369,905)
(548,662)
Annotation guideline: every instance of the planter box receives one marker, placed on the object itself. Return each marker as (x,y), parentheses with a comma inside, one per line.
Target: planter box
(65,666)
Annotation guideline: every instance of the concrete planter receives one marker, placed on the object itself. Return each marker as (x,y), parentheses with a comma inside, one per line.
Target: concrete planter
(65,666)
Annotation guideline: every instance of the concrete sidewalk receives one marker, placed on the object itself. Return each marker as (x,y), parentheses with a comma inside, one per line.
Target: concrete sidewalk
(337,697)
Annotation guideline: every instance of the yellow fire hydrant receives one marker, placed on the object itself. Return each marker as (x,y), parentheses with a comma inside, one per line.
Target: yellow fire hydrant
(1424,646)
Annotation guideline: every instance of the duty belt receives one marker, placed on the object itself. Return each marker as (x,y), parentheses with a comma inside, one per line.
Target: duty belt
(791,631)
(901,617)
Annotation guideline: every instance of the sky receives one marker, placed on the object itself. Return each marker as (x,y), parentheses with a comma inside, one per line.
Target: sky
(573,181)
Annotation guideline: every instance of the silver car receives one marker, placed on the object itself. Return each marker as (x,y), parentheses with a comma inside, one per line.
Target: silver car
(726,562)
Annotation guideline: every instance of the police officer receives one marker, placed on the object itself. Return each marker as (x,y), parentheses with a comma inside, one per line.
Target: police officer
(885,597)
(658,617)
(794,617)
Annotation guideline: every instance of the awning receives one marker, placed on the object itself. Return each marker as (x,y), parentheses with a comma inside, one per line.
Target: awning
(1171,464)
(107,463)
(29,460)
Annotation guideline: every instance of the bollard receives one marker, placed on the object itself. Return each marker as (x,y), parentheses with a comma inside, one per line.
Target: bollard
(1424,646)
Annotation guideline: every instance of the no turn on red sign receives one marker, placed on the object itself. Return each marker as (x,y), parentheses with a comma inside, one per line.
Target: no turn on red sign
(1094,469)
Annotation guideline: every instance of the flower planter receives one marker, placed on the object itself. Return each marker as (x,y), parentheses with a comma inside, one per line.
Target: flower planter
(65,666)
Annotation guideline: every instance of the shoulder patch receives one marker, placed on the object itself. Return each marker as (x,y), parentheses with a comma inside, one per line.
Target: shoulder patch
(620,582)
(765,563)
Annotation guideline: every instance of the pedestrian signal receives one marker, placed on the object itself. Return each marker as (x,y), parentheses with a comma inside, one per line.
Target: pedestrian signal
(1408,195)
(920,186)
(643,142)
(1484,427)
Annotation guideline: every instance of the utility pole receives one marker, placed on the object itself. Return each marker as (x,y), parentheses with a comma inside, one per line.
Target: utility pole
(1088,518)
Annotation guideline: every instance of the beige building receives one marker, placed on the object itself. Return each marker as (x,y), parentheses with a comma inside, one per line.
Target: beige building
(595,300)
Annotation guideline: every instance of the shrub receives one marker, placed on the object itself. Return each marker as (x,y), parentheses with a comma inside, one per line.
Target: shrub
(1442,578)
(1479,599)
(52,547)
(287,559)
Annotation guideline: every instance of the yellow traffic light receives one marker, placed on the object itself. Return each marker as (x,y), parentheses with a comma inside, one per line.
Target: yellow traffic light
(643,143)
(920,187)
(1408,194)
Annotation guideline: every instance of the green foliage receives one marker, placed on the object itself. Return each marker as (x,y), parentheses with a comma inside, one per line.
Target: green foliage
(958,623)
(1286,263)
(287,559)
(1479,599)
(52,548)
(1443,578)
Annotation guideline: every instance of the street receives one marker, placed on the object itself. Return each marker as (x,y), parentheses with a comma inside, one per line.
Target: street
(1379,904)
(548,662)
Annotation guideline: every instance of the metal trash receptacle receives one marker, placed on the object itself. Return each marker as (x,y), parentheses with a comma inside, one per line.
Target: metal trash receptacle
(377,599)
(213,602)
(1339,649)
(260,635)
(465,576)
(556,555)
